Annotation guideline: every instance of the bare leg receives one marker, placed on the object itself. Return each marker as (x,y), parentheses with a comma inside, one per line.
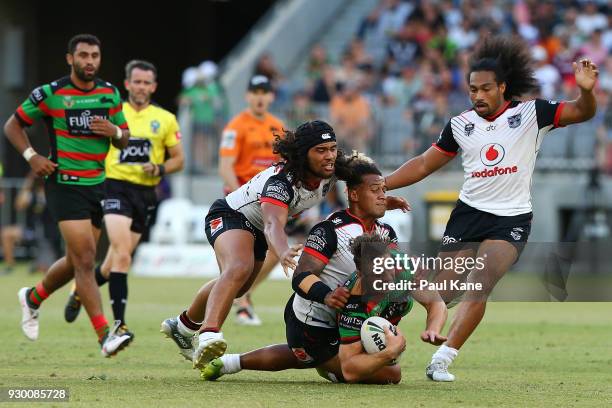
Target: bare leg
(234,251)
(277,357)
(81,239)
(446,275)
(498,258)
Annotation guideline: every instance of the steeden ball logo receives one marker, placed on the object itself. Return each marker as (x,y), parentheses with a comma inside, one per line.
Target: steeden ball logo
(492,154)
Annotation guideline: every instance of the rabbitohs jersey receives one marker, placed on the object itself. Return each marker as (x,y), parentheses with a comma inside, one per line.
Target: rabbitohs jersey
(275,187)
(498,153)
(393,306)
(330,241)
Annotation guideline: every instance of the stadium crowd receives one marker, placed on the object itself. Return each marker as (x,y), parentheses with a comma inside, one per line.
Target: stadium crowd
(402,75)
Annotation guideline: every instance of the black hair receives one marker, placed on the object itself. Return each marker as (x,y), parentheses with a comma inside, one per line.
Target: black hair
(510,60)
(82,38)
(289,148)
(365,248)
(352,168)
(140,64)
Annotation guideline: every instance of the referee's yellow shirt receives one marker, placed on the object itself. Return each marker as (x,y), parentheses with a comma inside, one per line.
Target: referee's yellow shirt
(152,130)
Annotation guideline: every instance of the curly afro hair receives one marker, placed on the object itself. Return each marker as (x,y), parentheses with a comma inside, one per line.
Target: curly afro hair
(510,60)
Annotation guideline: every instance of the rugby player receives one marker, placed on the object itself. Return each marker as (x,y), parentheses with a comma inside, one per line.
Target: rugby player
(131,177)
(311,313)
(499,139)
(83,116)
(241,226)
(245,150)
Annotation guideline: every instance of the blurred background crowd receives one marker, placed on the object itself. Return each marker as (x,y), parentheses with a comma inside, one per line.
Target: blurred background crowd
(403,75)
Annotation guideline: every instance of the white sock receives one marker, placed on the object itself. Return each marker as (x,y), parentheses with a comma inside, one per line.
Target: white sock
(445,353)
(231,363)
(184,330)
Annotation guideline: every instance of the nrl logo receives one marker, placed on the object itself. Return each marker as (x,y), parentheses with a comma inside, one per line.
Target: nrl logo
(514,121)
(155,125)
(68,102)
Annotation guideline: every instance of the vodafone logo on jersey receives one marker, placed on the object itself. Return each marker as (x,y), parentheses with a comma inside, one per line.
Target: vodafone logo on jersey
(492,154)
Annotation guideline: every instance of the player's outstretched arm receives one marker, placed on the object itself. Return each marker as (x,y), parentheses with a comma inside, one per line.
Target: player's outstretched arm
(584,107)
(417,168)
(436,315)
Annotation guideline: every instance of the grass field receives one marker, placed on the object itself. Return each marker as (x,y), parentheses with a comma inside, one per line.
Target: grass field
(524,354)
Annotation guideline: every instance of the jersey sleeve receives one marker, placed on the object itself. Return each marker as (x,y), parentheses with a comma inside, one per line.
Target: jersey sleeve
(231,139)
(34,107)
(173,134)
(322,241)
(548,112)
(446,143)
(277,191)
(349,324)
(116,112)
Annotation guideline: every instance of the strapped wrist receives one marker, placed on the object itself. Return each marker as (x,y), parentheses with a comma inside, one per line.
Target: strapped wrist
(29,153)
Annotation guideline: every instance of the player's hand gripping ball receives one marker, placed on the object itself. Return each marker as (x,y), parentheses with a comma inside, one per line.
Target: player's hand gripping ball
(373,336)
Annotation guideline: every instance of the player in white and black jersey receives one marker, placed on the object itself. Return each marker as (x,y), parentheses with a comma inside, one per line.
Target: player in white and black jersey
(241,226)
(499,139)
(324,266)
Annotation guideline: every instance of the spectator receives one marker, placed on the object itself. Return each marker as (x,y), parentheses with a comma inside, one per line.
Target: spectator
(325,87)
(348,71)
(546,74)
(402,90)
(317,61)
(350,116)
(300,111)
(206,100)
(594,48)
(266,66)
(404,48)
(590,19)
(464,35)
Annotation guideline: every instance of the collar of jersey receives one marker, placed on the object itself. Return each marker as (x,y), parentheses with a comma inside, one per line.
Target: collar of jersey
(361,221)
(498,114)
(127,105)
(95,81)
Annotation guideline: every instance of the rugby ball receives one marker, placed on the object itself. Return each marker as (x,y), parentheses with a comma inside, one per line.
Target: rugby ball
(373,334)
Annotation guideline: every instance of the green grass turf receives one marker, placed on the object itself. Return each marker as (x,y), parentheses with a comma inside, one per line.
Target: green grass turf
(524,354)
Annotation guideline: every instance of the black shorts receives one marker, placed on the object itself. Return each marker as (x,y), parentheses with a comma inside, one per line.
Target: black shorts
(221,217)
(468,225)
(132,200)
(75,202)
(311,345)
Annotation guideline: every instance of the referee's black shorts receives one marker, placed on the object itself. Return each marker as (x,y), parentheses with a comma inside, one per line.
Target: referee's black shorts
(135,201)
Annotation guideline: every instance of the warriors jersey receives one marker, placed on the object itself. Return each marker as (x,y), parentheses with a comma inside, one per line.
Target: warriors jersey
(330,242)
(276,187)
(498,153)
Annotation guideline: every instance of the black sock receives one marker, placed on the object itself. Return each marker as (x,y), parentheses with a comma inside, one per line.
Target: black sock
(100,279)
(118,290)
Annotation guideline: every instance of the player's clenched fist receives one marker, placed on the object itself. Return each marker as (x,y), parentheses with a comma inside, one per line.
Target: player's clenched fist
(42,166)
(337,298)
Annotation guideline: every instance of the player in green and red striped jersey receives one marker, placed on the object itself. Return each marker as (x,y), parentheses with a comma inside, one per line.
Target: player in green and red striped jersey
(83,116)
